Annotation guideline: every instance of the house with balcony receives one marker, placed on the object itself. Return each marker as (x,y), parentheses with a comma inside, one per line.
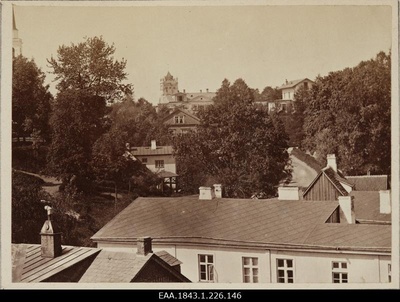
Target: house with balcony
(160,160)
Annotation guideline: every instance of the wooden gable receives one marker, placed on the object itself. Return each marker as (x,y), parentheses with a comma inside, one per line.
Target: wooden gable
(322,188)
(188,119)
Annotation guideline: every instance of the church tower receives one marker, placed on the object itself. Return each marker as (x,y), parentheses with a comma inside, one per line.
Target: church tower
(17,42)
(168,87)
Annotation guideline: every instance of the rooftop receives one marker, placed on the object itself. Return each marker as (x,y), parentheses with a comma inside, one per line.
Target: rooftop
(241,222)
(369,182)
(293,83)
(160,150)
(30,266)
(366,206)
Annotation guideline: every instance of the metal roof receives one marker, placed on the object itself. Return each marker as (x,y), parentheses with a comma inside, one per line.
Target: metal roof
(369,182)
(122,267)
(160,150)
(366,206)
(243,221)
(30,266)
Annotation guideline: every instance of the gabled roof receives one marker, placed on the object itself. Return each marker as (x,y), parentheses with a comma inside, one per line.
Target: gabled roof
(366,206)
(239,222)
(160,150)
(30,266)
(293,83)
(123,267)
(180,110)
(369,182)
(336,178)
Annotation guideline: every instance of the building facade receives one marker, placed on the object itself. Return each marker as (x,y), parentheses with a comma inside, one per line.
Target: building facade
(181,121)
(191,102)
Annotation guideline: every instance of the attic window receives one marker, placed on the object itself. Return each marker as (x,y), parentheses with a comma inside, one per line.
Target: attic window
(144,160)
(179,119)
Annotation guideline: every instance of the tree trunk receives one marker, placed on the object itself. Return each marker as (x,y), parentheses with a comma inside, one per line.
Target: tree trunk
(116,197)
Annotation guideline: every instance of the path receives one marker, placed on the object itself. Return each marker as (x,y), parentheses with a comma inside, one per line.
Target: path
(51,184)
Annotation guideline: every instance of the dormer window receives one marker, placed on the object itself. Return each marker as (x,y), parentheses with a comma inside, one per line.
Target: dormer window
(179,119)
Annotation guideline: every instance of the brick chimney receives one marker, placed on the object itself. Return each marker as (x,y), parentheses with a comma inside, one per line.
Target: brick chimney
(50,239)
(144,246)
(153,144)
(207,89)
(385,204)
(331,161)
(218,190)
(288,193)
(346,204)
(206,193)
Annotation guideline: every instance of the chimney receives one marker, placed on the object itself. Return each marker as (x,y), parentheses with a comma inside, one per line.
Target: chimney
(201,90)
(153,144)
(205,193)
(144,246)
(331,161)
(385,205)
(288,193)
(207,89)
(346,204)
(218,190)
(50,239)
(184,90)
(286,81)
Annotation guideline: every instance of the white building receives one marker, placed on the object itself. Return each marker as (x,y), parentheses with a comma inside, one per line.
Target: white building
(257,241)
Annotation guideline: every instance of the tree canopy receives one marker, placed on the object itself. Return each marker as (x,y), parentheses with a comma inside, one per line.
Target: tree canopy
(31,100)
(90,65)
(348,113)
(237,144)
(77,122)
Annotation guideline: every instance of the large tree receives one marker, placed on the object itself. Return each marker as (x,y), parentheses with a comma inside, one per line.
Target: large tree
(348,113)
(90,65)
(237,144)
(31,100)
(140,121)
(77,122)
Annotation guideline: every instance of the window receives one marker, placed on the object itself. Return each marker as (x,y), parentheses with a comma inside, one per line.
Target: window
(159,164)
(284,108)
(339,272)
(285,270)
(390,272)
(194,107)
(144,160)
(306,85)
(180,98)
(206,268)
(250,270)
(179,119)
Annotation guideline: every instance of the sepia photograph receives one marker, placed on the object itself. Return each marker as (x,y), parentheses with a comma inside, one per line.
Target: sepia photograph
(199,145)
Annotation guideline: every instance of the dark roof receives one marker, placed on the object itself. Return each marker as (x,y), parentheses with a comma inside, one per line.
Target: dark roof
(122,267)
(336,178)
(168,258)
(166,174)
(366,206)
(30,266)
(242,222)
(293,83)
(160,150)
(369,182)
(183,111)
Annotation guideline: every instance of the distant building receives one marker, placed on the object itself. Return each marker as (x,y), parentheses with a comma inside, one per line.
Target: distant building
(160,160)
(288,89)
(17,42)
(52,262)
(181,121)
(280,240)
(172,98)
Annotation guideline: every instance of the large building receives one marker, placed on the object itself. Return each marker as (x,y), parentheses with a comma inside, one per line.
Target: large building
(172,98)
(289,239)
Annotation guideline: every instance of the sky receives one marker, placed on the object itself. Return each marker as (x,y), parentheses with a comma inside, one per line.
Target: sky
(202,45)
